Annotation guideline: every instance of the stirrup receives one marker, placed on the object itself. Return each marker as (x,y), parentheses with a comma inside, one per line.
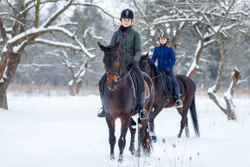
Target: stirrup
(101,113)
(178,103)
(143,114)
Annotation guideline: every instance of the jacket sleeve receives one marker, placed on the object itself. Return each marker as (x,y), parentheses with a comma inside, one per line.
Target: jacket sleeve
(154,56)
(137,55)
(172,56)
(113,39)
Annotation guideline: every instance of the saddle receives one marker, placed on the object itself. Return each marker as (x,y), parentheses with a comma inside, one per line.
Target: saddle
(135,83)
(168,86)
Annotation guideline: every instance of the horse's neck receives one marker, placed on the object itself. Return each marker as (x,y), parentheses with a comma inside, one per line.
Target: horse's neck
(155,75)
(124,76)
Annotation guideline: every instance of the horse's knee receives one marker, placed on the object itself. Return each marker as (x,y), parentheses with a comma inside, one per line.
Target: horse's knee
(122,142)
(112,140)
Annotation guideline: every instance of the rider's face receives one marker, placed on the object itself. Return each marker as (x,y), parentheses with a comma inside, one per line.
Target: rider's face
(163,40)
(126,22)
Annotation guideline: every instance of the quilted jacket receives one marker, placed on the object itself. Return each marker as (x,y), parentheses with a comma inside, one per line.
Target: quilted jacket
(130,44)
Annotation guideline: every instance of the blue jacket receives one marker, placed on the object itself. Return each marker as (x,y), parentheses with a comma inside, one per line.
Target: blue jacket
(165,56)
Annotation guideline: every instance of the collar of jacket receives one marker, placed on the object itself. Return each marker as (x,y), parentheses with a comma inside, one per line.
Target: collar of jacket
(124,33)
(163,45)
(129,29)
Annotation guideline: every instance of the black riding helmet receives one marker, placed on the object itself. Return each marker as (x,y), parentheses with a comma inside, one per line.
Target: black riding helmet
(127,14)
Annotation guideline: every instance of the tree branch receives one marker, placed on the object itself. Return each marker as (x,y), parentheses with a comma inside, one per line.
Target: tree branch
(58,44)
(96,6)
(37,10)
(56,14)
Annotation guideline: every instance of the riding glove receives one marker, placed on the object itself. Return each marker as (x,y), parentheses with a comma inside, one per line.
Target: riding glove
(131,64)
(167,70)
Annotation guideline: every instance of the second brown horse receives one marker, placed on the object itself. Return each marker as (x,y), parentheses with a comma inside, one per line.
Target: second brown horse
(188,98)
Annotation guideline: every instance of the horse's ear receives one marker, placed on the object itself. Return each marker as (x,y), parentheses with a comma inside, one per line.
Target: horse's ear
(117,45)
(101,46)
(145,56)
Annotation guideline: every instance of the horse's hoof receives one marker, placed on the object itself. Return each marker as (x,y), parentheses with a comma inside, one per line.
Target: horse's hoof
(154,139)
(120,159)
(132,150)
(138,155)
(112,157)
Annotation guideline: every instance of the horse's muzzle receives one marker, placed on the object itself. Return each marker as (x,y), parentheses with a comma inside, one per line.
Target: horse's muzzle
(112,80)
(112,86)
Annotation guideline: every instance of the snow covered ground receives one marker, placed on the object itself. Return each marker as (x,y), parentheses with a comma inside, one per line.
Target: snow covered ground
(64,131)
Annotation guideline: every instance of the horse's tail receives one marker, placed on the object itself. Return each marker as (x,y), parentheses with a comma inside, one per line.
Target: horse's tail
(147,145)
(194,118)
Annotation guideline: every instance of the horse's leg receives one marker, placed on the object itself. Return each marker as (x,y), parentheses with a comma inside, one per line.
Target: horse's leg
(125,121)
(152,131)
(132,141)
(112,139)
(140,137)
(183,113)
(153,114)
(186,128)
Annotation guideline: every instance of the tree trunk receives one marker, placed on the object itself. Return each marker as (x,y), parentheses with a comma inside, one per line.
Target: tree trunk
(229,109)
(228,97)
(78,86)
(3,98)
(7,71)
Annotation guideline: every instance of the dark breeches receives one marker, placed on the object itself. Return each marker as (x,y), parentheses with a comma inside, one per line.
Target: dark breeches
(173,78)
(102,82)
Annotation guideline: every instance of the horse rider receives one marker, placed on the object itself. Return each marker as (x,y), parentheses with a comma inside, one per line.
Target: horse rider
(131,49)
(166,61)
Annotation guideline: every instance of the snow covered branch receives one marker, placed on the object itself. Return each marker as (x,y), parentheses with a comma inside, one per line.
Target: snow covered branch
(57,44)
(228,108)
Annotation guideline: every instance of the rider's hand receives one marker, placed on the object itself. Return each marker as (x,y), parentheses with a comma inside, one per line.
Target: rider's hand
(167,70)
(131,64)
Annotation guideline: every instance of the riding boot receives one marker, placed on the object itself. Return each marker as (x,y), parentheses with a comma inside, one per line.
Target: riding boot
(101,112)
(178,102)
(142,113)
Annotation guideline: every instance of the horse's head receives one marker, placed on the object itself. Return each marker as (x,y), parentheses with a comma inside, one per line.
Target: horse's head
(144,65)
(113,64)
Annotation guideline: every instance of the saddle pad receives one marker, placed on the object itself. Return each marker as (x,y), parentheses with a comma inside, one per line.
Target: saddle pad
(147,92)
(134,86)
(169,87)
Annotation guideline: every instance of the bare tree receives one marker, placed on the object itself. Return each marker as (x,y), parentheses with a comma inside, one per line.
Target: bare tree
(16,35)
(77,69)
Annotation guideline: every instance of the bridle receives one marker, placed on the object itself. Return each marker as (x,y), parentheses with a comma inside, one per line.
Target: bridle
(119,73)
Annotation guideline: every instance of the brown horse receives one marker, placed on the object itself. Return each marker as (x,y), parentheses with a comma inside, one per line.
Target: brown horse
(188,98)
(119,99)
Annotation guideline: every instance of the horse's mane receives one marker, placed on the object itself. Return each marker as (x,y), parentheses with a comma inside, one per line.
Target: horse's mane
(152,64)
